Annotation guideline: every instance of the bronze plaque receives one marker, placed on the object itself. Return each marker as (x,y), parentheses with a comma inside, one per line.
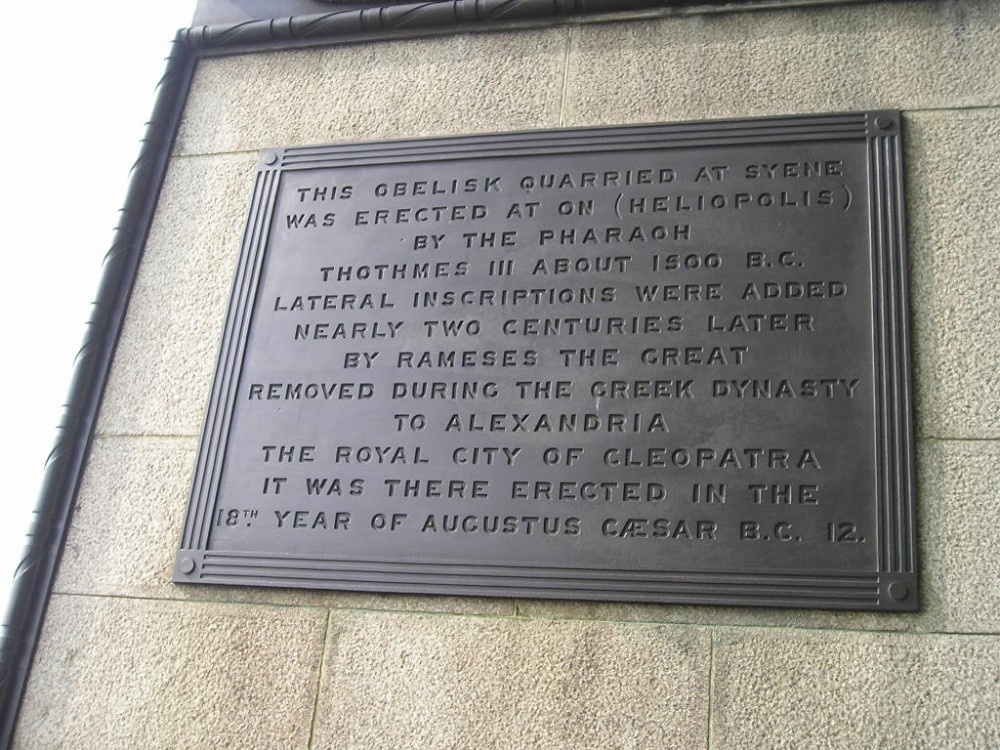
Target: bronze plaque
(663,363)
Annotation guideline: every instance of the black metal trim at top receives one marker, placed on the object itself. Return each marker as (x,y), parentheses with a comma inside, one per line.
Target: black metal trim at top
(232,12)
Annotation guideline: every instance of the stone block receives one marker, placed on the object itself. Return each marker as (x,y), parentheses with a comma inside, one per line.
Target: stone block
(843,57)
(409,681)
(127,525)
(123,674)
(161,377)
(128,516)
(445,85)
(954,238)
(851,690)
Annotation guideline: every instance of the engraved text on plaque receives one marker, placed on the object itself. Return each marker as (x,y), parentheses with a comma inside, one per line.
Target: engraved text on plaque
(659,363)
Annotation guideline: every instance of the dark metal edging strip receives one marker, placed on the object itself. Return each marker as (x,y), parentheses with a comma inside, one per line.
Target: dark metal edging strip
(64,468)
(36,573)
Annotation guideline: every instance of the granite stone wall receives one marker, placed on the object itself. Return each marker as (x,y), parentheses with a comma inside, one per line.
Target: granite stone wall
(128,659)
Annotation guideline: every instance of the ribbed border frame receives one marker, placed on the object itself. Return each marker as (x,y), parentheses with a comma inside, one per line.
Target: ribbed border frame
(35,575)
(890,586)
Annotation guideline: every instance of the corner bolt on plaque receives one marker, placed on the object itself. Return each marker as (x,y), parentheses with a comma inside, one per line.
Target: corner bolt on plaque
(663,363)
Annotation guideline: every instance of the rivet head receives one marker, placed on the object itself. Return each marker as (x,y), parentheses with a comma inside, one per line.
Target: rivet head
(883,122)
(899,591)
(187,566)
(270,158)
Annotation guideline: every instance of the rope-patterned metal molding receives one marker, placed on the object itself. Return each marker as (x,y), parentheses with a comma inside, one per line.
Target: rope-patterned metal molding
(382,19)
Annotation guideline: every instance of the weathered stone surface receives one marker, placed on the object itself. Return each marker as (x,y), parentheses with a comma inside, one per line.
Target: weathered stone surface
(128,517)
(460,605)
(129,674)
(406,681)
(848,690)
(911,55)
(399,89)
(127,526)
(160,381)
(958,517)
(954,237)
